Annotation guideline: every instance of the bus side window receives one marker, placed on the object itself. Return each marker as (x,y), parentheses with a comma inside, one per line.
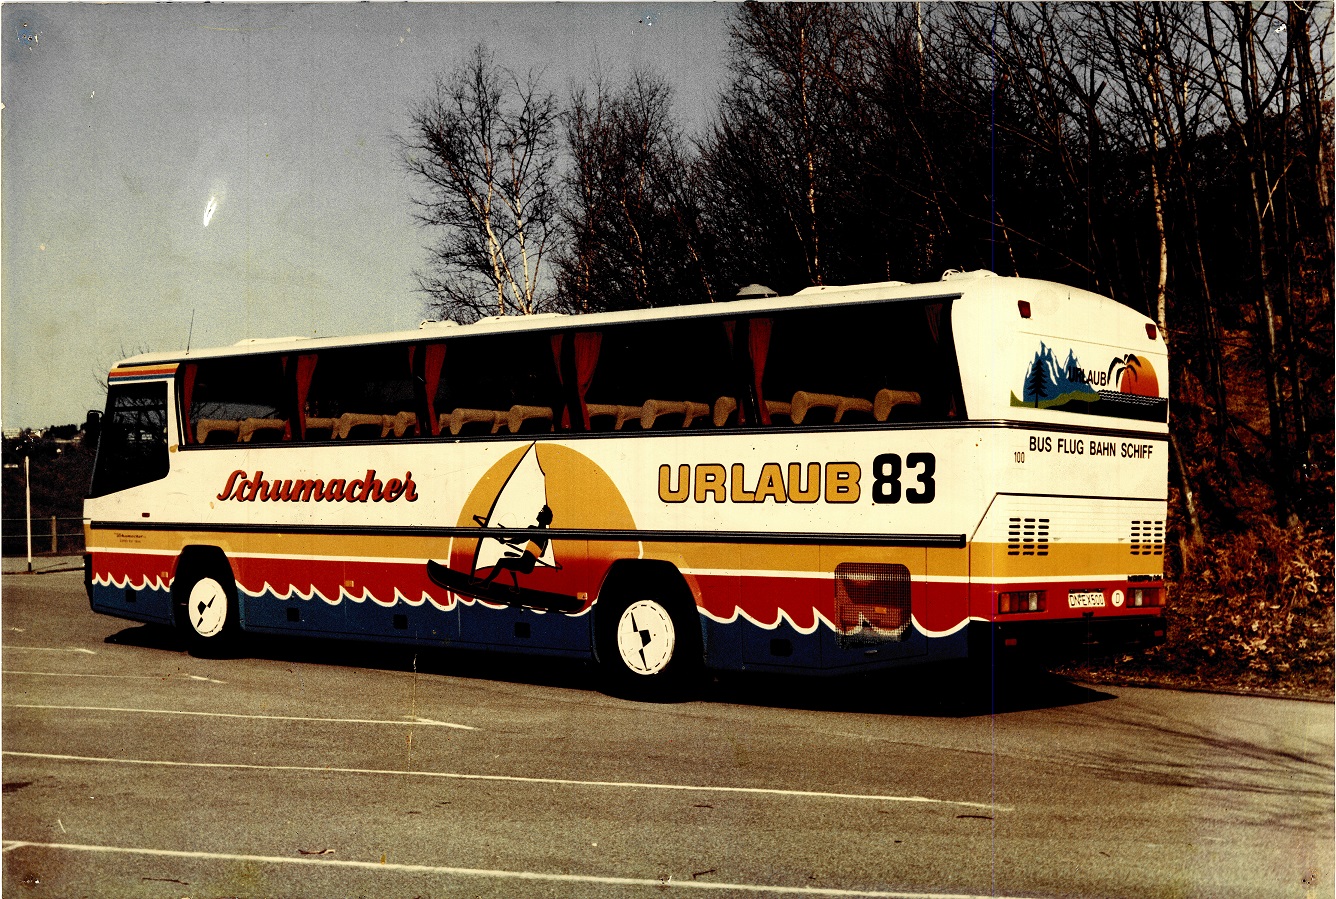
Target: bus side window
(665,376)
(861,364)
(360,393)
(237,400)
(498,384)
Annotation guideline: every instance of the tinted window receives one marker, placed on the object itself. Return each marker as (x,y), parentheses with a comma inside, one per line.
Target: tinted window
(676,372)
(354,392)
(239,400)
(497,375)
(875,362)
(132,449)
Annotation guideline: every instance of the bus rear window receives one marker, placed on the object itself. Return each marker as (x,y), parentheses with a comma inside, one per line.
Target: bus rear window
(132,449)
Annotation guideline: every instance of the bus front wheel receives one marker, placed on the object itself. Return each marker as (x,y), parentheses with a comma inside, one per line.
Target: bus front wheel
(206,607)
(647,642)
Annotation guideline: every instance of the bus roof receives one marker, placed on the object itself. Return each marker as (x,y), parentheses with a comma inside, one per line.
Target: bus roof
(954,285)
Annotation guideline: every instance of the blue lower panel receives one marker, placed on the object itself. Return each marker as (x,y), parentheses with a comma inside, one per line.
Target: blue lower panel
(518,628)
(150,604)
(739,645)
(467,624)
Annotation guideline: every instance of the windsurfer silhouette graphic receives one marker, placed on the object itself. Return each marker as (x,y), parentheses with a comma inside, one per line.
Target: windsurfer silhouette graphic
(523,497)
(521,559)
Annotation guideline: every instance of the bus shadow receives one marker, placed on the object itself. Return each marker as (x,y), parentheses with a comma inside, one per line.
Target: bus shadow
(932,691)
(473,664)
(148,636)
(941,690)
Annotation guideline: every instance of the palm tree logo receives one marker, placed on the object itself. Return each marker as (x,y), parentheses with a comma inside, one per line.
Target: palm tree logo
(1120,367)
(1134,375)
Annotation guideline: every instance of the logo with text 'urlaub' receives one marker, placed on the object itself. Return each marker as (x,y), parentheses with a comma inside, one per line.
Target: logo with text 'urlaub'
(1127,388)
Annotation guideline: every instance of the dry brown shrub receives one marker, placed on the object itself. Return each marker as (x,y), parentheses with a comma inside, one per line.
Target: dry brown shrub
(1253,609)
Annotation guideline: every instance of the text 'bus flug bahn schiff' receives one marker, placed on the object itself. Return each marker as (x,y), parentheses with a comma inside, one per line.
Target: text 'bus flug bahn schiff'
(842,479)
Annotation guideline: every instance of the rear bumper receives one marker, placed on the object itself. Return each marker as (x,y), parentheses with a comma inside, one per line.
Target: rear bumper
(1064,639)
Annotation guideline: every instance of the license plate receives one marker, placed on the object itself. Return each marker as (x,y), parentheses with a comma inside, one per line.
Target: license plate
(1085,599)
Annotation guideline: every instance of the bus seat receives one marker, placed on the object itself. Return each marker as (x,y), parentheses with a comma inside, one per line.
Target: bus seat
(321,428)
(725,411)
(887,400)
(461,418)
(620,414)
(775,407)
(350,421)
(217,430)
(804,402)
(261,430)
(398,424)
(654,409)
(518,416)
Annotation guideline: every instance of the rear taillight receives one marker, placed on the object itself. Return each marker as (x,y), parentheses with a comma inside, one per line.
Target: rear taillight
(1144,597)
(1020,601)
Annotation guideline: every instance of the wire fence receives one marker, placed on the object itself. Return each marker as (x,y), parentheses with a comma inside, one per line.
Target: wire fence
(51,536)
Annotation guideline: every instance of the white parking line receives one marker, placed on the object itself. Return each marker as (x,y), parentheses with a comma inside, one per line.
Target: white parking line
(514,778)
(115,676)
(48,649)
(93,708)
(500,874)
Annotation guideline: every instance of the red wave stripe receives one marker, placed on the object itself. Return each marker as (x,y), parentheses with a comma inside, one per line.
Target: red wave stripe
(805,602)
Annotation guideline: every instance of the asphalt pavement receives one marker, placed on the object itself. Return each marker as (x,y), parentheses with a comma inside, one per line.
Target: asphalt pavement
(325,768)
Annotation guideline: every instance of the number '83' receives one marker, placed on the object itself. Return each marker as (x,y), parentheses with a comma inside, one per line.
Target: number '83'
(887,470)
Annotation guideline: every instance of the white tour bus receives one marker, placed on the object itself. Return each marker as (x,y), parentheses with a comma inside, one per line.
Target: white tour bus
(837,480)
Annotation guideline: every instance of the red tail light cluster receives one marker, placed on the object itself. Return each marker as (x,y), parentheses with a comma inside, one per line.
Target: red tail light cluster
(1143,597)
(1022,601)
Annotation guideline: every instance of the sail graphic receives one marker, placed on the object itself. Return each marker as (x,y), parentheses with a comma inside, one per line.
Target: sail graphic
(519,505)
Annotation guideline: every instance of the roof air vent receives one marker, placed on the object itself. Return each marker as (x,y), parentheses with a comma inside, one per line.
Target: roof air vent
(955,274)
(755,292)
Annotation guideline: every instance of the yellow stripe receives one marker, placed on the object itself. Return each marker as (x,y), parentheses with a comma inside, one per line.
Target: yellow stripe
(981,560)
(992,560)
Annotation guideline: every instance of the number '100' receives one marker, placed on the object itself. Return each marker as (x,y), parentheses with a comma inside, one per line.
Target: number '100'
(887,470)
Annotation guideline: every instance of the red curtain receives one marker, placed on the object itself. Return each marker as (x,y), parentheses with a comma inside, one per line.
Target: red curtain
(305,372)
(188,374)
(758,346)
(587,344)
(432,369)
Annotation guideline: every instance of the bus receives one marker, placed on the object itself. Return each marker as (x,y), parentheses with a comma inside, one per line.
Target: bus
(843,479)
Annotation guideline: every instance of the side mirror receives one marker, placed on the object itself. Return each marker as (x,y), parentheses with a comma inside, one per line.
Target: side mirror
(92,429)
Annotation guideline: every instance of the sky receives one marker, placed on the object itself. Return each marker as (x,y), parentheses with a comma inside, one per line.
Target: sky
(122,122)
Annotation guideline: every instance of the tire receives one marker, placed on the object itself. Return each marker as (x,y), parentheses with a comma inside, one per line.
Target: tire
(647,642)
(207,613)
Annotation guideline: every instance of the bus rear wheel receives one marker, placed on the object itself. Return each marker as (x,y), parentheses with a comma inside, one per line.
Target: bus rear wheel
(207,614)
(647,643)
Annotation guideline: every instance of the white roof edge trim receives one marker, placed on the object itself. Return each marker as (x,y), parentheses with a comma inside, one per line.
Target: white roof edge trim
(830,295)
(255,341)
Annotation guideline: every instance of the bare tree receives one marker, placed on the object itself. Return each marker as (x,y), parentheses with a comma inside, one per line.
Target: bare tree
(484,147)
(630,211)
(786,144)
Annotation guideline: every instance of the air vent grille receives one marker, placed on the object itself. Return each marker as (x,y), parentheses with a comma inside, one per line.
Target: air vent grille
(1027,537)
(1147,538)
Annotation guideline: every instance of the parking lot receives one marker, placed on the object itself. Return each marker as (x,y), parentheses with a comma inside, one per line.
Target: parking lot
(322,768)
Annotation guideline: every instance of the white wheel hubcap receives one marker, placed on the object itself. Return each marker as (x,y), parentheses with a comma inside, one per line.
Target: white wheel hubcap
(646,637)
(207,607)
